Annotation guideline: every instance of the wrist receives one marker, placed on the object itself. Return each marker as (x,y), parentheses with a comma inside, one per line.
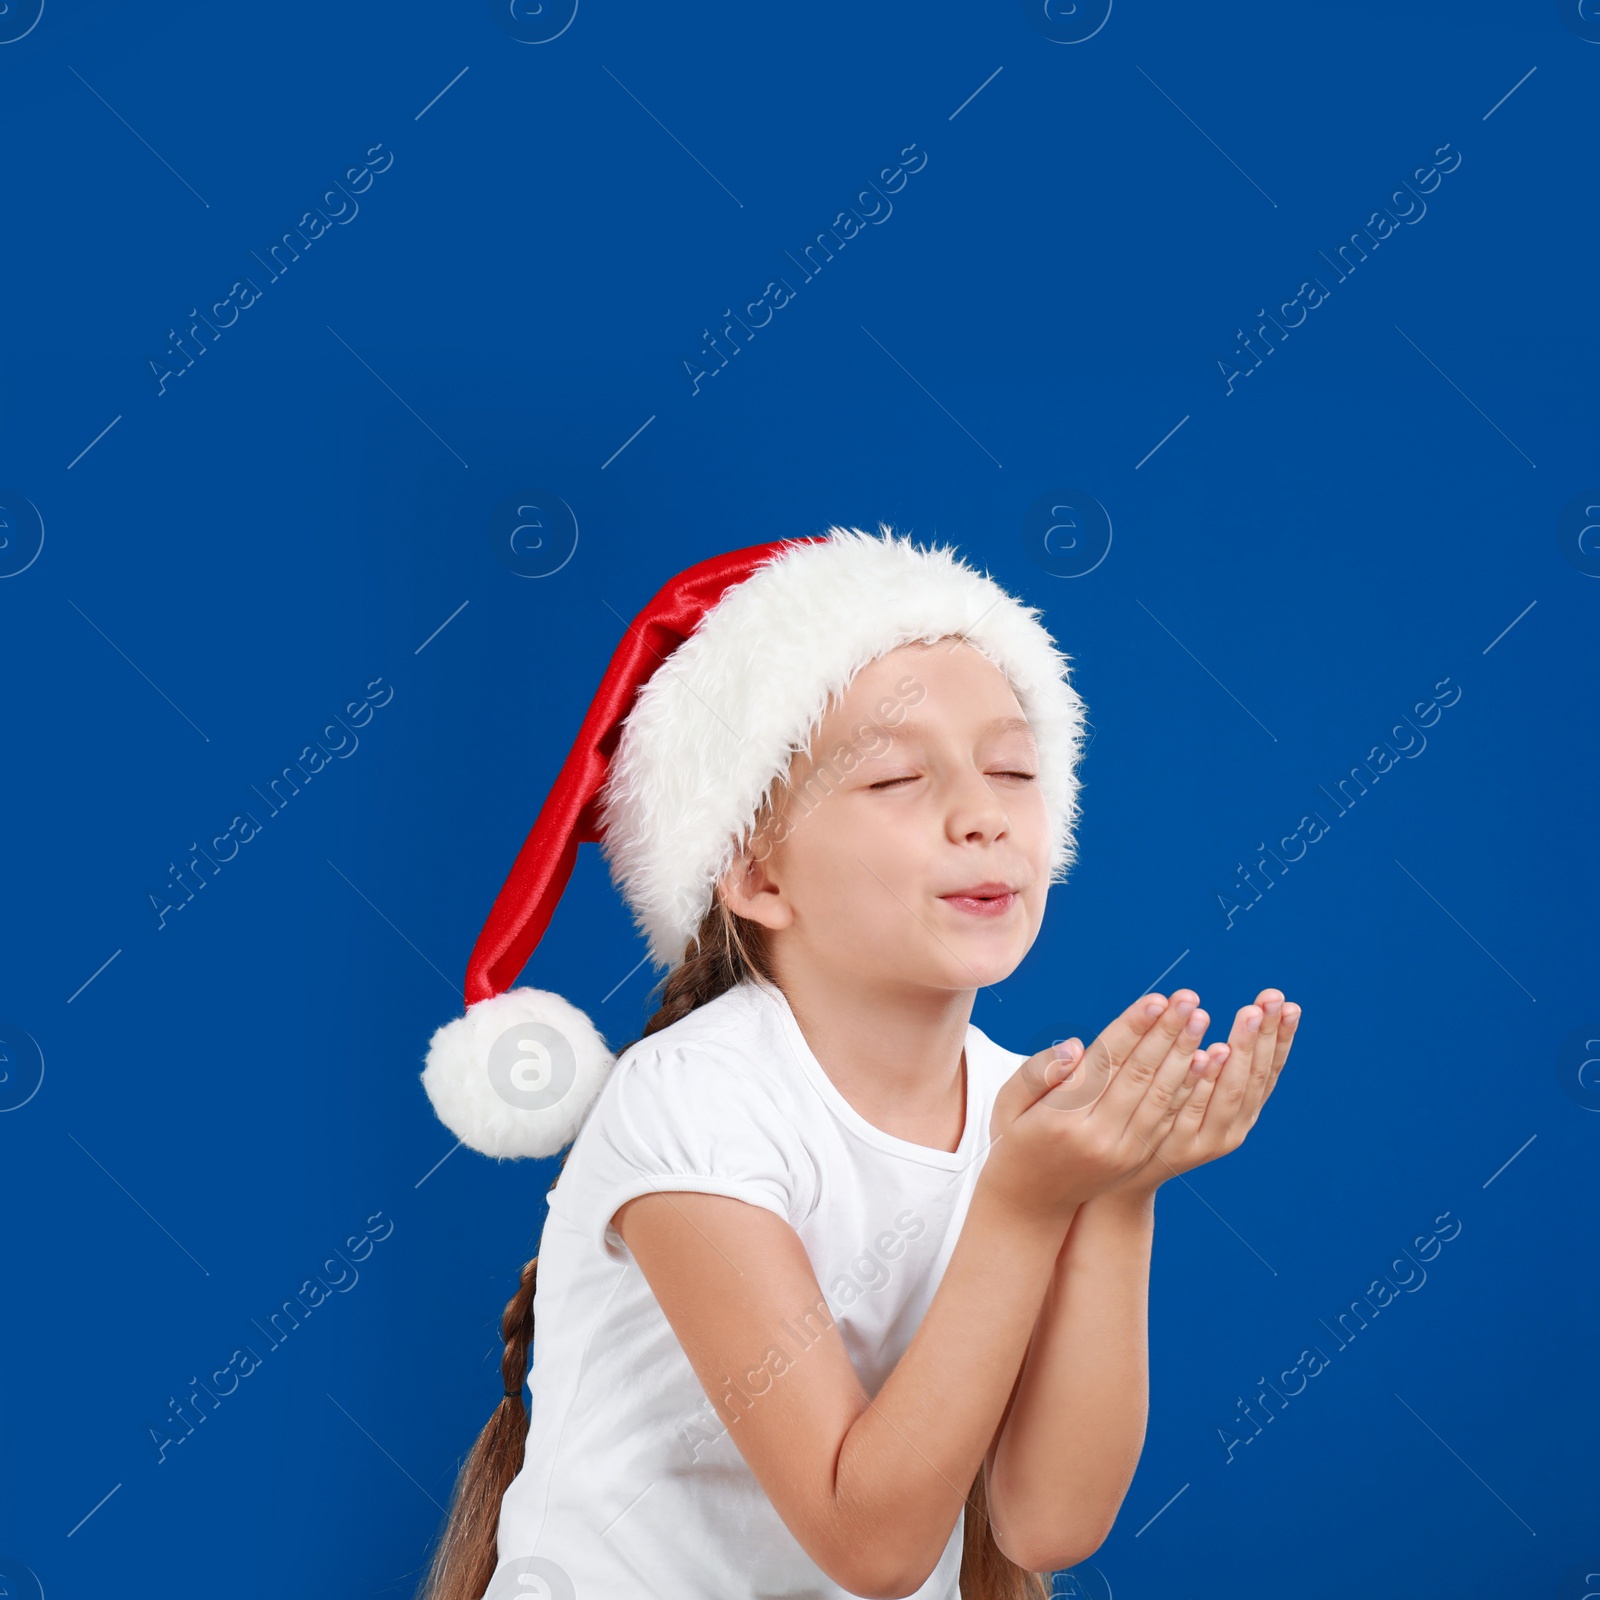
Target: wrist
(1044,1228)
(1133,1199)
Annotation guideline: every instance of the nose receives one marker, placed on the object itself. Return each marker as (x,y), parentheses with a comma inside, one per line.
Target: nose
(975,814)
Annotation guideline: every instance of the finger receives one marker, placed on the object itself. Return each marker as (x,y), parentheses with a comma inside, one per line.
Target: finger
(1102,1058)
(1038,1075)
(1134,1075)
(1155,1112)
(1198,1063)
(1183,1091)
(1179,1150)
(1194,1119)
(1287,1025)
(1204,1073)
(1113,1045)
(1222,1107)
(1270,1002)
(1191,1117)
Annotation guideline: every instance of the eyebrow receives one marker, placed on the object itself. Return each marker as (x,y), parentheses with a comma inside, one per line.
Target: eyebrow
(907,731)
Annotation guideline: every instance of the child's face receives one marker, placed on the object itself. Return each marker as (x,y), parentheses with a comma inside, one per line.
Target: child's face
(922,782)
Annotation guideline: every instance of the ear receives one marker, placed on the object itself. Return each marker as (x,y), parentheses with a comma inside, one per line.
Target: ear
(750,887)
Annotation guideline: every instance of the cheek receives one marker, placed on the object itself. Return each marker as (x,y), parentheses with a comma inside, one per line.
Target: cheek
(1032,834)
(1030,826)
(868,868)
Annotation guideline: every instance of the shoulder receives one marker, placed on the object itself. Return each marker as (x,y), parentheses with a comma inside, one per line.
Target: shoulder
(702,1104)
(723,1059)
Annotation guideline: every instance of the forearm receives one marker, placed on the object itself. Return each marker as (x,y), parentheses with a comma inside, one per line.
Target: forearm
(1072,1439)
(908,1460)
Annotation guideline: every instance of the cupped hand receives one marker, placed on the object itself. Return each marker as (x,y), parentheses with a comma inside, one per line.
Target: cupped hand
(1071,1123)
(1232,1083)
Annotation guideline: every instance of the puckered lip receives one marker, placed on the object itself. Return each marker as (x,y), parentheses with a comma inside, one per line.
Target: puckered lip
(980,891)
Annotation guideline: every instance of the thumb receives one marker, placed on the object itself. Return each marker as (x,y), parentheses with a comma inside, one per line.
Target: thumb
(1039,1074)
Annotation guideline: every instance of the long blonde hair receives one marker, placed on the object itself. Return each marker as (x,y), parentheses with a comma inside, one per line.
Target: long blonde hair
(726,950)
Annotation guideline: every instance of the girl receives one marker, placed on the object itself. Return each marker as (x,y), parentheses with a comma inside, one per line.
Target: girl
(838,1297)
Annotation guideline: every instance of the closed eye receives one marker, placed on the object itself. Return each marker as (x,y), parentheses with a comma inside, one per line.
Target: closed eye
(886,783)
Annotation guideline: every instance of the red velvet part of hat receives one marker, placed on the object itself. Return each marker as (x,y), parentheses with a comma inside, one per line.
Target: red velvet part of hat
(525,905)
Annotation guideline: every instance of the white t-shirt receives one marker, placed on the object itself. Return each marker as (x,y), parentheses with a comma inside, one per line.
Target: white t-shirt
(631,1485)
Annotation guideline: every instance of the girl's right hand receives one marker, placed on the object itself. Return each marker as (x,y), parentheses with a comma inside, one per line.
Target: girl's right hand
(1068,1126)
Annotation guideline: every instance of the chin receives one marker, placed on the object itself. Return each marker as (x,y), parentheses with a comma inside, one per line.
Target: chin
(979,964)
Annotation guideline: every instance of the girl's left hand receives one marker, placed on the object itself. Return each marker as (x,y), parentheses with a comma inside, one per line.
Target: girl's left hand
(1223,1106)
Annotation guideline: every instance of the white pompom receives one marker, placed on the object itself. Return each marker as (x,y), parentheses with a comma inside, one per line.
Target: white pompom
(517,1074)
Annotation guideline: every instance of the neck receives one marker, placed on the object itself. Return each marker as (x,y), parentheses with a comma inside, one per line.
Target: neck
(893,1050)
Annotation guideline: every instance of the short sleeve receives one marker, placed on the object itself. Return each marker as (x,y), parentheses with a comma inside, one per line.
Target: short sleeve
(682,1118)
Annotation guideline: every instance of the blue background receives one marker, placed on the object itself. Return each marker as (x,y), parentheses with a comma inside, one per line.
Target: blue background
(311,506)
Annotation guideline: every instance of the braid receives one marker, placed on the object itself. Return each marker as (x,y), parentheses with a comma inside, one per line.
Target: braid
(516,1328)
(725,951)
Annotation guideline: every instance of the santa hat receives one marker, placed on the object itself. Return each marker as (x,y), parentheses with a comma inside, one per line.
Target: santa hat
(721,678)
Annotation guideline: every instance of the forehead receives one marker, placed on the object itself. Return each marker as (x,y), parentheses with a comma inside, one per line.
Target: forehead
(943,672)
(913,731)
